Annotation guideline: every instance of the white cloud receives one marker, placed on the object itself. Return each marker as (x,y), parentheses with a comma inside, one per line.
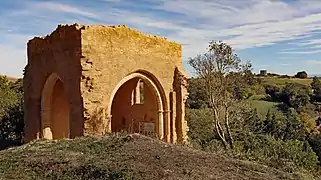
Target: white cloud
(310,42)
(114,1)
(301,52)
(59,7)
(10,61)
(313,62)
(243,24)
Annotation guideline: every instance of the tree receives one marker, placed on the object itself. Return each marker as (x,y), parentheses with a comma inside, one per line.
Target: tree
(222,72)
(272,90)
(11,111)
(316,87)
(295,95)
(253,122)
(301,74)
(294,128)
(274,124)
(197,97)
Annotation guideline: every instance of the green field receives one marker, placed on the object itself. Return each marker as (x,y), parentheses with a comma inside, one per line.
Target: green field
(263,106)
(282,81)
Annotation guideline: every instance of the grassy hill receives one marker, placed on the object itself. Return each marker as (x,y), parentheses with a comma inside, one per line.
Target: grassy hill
(124,157)
(282,81)
(263,106)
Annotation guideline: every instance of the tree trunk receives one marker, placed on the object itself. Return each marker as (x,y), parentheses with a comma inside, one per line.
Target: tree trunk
(219,130)
(228,129)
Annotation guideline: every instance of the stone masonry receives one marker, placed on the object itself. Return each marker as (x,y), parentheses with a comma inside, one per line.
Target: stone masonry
(95,79)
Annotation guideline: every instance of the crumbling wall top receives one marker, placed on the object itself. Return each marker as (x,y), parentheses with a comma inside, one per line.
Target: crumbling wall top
(61,28)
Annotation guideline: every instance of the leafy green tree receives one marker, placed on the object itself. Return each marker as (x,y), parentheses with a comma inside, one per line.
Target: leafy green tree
(200,128)
(309,125)
(316,87)
(197,97)
(273,91)
(274,124)
(294,127)
(253,122)
(301,75)
(295,95)
(222,71)
(11,110)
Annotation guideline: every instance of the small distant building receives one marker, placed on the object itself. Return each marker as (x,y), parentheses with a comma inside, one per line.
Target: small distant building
(263,72)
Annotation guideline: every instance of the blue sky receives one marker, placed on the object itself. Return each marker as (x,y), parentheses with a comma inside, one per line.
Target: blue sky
(280,36)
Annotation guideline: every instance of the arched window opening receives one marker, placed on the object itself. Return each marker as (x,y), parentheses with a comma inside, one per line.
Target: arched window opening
(55,109)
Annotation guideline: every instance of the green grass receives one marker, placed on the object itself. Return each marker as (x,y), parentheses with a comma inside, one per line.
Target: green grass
(282,81)
(263,106)
(125,157)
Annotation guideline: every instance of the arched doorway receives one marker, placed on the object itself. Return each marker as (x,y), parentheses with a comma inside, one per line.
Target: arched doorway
(137,106)
(55,109)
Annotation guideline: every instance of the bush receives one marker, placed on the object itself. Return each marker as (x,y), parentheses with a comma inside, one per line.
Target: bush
(277,141)
(258,89)
(277,153)
(315,141)
(273,91)
(197,97)
(11,112)
(301,75)
(200,126)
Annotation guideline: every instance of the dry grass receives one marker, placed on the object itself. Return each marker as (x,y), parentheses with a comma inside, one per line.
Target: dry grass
(124,157)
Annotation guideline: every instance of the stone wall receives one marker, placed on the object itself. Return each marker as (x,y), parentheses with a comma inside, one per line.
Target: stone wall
(91,61)
(111,53)
(57,53)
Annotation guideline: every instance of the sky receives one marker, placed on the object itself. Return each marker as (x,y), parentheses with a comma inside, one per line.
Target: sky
(279,36)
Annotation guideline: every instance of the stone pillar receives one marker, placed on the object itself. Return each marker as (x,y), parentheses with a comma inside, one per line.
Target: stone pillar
(47,134)
(173,117)
(167,126)
(108,123)
(160,125)
(45,122)
(180,87)
(184,122)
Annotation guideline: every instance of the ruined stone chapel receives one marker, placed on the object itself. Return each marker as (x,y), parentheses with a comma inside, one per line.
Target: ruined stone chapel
(95,79)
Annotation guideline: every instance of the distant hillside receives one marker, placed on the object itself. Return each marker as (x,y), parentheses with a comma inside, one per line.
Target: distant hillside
(282,81)
(124,157)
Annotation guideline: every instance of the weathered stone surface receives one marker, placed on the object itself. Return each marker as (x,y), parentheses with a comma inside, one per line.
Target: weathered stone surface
(97,65)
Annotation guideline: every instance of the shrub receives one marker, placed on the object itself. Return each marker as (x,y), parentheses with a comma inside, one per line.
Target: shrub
(11,112)
(315,141)
(272,90)
(200,126)
(301,74)
(277,153)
